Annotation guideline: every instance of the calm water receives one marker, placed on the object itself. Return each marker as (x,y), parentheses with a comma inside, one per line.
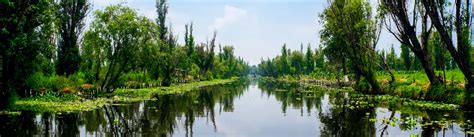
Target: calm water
(246,109)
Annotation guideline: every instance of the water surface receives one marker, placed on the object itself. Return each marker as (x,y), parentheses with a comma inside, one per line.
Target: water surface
(243,109)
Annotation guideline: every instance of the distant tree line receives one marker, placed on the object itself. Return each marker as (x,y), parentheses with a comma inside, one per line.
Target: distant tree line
(295,63)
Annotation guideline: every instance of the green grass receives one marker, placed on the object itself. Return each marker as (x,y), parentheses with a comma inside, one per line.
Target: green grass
(73,103)
(415,85)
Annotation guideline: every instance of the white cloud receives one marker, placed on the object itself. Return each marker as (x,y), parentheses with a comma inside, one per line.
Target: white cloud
(231,15)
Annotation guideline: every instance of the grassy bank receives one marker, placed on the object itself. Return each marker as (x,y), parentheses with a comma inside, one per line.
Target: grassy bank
(71,103)
(415,85)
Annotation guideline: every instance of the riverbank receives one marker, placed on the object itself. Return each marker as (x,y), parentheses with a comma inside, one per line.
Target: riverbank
(72,103)
(393,97)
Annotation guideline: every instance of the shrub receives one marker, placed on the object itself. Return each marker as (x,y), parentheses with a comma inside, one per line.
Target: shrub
(86,87)
(132,84)
(37,82)
(67,90)
(57,83)
(77,80)
(436,92)
(138,77)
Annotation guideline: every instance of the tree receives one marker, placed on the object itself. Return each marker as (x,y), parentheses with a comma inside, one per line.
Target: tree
(189,40)
(309,60)
(319,58)
(460,48)
(26,30)
(71,16)
(162,10)
(439,52)
(406,31)
(392,58)
(190,46)
(406,57)
(296,61)
(167,44)
(348,28)
(284,66)
(209,62)
(116,32)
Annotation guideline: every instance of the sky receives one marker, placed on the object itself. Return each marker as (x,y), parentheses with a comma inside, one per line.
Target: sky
(256,28)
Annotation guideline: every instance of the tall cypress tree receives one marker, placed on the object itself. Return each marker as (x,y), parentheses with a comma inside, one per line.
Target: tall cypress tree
(71,16)
(309,60)
(285,69)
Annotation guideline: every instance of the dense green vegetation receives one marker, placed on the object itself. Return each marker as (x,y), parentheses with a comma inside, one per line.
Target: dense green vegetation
(44,52)
(431,66)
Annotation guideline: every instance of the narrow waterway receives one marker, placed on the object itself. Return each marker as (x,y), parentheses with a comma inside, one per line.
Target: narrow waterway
(243,109)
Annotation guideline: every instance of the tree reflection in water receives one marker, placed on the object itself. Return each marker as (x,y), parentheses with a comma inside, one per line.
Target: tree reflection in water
(148,118)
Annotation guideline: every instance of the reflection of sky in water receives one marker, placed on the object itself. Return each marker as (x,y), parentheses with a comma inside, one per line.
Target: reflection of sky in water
(256,114)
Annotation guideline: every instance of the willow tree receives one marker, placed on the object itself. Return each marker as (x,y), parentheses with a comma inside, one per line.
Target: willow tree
(406,31)
(116,32)
(350,29)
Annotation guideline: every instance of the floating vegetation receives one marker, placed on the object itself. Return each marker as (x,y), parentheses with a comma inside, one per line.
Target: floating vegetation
(133,95)
(59,106)
(72,103)
(13,113)
(410,122)
(431,105)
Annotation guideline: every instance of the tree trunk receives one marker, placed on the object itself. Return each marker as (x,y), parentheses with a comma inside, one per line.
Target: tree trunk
(426,64)
(459,53)
(408,36)
(373,83)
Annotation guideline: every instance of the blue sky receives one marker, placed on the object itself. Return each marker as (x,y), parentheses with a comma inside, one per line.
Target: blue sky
(256,28)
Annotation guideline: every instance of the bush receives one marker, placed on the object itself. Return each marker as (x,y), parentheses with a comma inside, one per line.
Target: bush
(41,84)
(37,82)
(436,92)
(445,93)
(77,80)
(89,76)
(57,83)
(362,85)
(138,77)
(132,84)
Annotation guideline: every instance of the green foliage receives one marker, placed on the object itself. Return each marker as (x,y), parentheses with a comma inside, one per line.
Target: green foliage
(54,85)
(25,47)
(148,93)
(350,33)
(292,63)
(415,85)
(406,57)
(117,30)
(71,16)
(60,105)
(50,102)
